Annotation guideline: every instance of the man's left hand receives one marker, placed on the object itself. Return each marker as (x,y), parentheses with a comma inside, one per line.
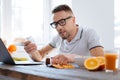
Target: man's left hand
(63,59)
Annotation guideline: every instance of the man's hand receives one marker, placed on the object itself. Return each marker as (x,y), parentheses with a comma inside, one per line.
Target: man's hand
(63,59)
(30,47)
(60,59)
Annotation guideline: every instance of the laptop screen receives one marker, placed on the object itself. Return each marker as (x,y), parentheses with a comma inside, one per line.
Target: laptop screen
(4,54)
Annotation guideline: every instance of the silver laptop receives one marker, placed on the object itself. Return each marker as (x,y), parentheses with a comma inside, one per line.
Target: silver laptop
(6,58)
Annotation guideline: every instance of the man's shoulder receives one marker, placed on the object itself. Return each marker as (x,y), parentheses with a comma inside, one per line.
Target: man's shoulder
(57,38)
(88,29)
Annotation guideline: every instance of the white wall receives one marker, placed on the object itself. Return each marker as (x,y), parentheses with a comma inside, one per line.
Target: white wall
(98,14)
(0,18)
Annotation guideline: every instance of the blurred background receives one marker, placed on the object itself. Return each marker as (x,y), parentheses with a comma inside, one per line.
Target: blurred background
(31,18)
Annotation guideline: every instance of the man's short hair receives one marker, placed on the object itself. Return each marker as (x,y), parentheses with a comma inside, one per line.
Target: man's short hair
(63,7)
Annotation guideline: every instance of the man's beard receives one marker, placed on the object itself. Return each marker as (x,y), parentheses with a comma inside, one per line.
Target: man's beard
(65,37)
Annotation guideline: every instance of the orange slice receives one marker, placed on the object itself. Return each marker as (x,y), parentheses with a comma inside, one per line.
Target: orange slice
(12,48)
(57,66)
(67,66)
(101,60)
(91,63)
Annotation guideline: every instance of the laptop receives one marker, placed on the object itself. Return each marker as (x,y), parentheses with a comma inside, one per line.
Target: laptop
(6,57)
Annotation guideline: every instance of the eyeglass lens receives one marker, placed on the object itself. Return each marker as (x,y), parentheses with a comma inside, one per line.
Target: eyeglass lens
(61,22)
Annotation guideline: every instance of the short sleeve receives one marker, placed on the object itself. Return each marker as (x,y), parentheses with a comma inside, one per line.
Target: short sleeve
(93,39)
(55,41)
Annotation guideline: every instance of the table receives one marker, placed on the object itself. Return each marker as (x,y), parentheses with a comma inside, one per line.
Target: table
(42,72)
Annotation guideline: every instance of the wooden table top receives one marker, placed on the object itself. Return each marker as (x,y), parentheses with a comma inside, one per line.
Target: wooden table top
(42,72)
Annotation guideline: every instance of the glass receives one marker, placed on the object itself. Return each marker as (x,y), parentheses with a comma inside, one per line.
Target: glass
(111,60)
(61,22)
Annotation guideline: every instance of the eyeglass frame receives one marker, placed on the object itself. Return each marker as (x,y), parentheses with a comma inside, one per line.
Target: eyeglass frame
(58,22)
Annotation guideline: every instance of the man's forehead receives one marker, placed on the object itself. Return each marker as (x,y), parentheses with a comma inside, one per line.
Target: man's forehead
(60,15)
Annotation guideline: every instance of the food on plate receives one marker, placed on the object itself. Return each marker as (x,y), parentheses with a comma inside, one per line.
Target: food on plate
(48,63)
(20,59)
(67,66)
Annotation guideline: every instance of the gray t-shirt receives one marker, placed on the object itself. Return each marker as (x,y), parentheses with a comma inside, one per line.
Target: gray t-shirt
(85,39)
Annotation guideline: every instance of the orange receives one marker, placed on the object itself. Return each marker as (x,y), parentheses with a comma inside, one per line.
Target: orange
(12,48)
(68,66)
(91,63)
(101,60)
(57,66)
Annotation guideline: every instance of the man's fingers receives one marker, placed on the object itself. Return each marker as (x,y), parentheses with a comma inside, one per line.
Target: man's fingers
(60,59)
(29,47)
(54,60)
(26,43)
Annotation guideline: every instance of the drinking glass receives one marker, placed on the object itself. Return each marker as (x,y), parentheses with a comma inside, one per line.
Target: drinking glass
(111,60)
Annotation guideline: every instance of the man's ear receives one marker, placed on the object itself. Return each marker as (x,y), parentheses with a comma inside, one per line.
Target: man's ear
(74,19)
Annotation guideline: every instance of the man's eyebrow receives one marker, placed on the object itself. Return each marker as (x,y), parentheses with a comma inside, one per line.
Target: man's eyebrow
(60,19)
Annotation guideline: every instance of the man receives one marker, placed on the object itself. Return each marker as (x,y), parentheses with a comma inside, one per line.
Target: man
(73,40)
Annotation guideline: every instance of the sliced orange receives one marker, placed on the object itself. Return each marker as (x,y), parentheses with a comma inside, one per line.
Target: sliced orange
(101,60)
(68,66)
(57,66)
(12,48)
(91,63)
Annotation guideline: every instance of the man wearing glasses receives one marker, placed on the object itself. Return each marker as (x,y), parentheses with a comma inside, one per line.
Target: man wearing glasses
(72,40)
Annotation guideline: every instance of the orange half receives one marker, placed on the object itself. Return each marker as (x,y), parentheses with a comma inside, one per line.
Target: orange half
(101,60)
(91,63)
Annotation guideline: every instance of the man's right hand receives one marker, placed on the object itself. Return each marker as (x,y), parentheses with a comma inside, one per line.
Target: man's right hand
(30,47)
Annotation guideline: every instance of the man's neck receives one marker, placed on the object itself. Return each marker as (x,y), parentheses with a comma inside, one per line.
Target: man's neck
(73,34)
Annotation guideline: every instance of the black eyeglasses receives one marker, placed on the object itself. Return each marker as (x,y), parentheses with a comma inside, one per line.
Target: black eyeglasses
(61,22)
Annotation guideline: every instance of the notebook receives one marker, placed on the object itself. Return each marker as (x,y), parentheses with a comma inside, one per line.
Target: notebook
(6,57)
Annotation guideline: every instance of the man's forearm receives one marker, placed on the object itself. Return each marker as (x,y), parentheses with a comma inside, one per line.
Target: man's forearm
(36,56)
(71,57)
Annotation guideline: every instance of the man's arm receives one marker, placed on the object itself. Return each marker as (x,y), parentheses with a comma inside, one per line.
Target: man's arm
(98,51)
(45,50)
(66,58)
(40,54)
(35,54)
